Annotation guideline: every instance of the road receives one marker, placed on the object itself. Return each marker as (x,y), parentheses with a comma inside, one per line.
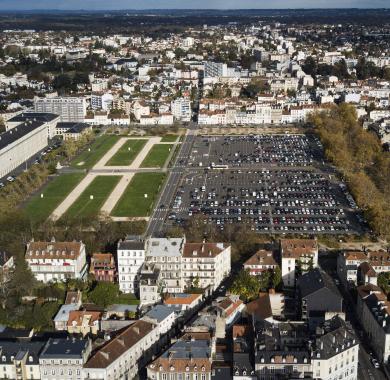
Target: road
(156,222)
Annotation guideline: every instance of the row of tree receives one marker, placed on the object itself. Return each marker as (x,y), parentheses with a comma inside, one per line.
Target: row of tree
(362,162)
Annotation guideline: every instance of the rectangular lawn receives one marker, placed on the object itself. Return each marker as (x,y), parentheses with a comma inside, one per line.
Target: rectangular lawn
(95,152)
(133,202)
(39,209)
(169,138)
(101,187)
(157,156)
(126,153)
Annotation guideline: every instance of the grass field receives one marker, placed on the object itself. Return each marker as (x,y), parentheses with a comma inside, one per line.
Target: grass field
(124,156)
(39,209)
(133,203)
(157,156)
(101,187)
(169,138)
(96,151)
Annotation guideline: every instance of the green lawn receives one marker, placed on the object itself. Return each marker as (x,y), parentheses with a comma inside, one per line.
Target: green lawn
(157,156)
(133,202)
(124,156)
(95,152)
(39,209)
(169,138)
(101,187)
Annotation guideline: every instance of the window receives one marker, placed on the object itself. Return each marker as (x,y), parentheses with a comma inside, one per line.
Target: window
(70,372)
(164,376)
(203,376)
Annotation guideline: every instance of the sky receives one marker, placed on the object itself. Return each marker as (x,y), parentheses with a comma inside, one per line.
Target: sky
(186,4)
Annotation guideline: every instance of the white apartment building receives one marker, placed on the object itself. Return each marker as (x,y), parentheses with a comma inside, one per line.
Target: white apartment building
(206,263)
(336,355)
(20,143)
(56,261)
(181,109)
(215,69)
(374,314)
(130,257)
(124,355)
(20,360)
(297,254)
(64,358)
(101,101)
(69,108)
(166,254)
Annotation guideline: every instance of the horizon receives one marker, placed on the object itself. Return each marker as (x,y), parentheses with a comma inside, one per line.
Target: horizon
(159,5)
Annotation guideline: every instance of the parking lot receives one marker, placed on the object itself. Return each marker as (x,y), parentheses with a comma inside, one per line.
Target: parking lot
(273,183)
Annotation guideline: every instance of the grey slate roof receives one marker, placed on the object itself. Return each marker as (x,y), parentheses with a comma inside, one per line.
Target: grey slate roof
(64,348)
(315,280)
(18,132)
(159,312)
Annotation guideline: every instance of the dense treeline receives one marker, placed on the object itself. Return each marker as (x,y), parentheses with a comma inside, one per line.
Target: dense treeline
(359,156)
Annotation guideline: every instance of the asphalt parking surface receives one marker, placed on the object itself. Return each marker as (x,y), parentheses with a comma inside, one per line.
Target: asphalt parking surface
(272,183)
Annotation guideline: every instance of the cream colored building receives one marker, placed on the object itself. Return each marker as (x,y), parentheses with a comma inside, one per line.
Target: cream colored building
(56,261)
(21,143)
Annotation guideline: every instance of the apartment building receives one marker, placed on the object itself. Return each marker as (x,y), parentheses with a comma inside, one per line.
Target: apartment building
(84,322)
(188,358)
(20,360)
(287,350)
(205,264)
(215,69)
(261,261)
(68,108)
(123,356)
(358,267)
(103,267)
(64,358)
(166,254)
(297,256)
(130,257)
(181,109)
(21,143)
(373,309)
(101,101)
(56,261)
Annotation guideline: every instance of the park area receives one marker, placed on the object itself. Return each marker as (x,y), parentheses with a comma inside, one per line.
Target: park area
(40,207)
(127,153)
(157,156)
(133,202)
(93,197)
(89,157)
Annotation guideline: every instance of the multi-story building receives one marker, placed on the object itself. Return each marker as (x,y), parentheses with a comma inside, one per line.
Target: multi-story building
(84,322)
(20,360)
(49,119)
(287,350)
(297,256)
(171,265)
(336,352)
(373,309)
(166,254)
(260,262)
(20,143)
(101,101)
(103,267)
(130,257)
(205,264)
(162,316)
(123,356)
(69,108)
(355,267)
(181,109)
(316,292)
(188,358)
(64,358)
(56,261)
(215,69)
